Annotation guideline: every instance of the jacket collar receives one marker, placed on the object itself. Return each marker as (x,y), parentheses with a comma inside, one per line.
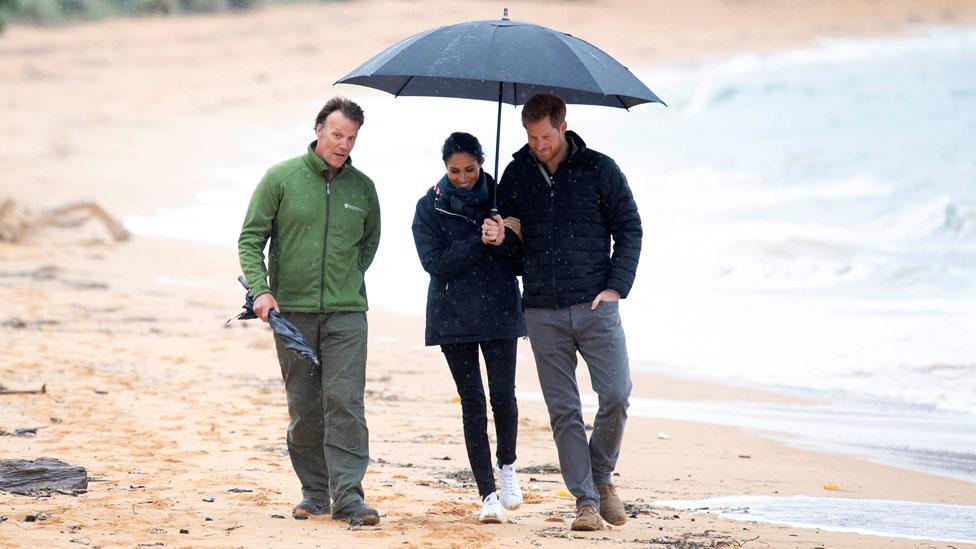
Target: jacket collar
(316,164)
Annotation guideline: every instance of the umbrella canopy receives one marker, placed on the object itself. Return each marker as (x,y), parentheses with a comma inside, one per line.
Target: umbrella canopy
(501,60)
(504,61)
(280,325)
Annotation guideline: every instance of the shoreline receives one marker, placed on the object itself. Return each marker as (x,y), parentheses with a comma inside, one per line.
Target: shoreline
(166,408)
(905,520)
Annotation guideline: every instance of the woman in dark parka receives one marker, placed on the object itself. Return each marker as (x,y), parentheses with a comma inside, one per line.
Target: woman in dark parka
(473,302)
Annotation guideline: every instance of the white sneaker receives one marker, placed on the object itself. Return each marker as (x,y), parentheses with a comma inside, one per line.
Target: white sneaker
(491,510)
(511,494)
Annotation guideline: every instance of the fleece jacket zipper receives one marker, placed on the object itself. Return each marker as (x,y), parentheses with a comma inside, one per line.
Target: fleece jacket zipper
(325,237)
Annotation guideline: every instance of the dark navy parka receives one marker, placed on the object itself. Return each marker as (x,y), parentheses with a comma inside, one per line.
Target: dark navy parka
(473,293)
(568,221)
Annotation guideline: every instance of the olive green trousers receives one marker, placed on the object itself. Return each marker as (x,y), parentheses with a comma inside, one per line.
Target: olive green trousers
(328,440)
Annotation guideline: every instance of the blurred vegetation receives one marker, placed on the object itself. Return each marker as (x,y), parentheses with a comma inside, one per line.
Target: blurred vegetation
(52,12)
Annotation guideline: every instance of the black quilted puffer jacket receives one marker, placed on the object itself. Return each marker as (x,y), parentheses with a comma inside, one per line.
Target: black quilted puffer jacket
(568,221)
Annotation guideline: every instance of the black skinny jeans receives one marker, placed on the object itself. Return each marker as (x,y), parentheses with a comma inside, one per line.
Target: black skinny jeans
(462,359)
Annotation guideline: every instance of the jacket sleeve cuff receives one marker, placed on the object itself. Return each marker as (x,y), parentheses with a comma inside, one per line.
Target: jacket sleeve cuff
(619,287)
(260,289)
(509,245)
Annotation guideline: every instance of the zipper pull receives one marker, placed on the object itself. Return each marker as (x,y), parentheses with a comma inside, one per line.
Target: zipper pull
(328,188)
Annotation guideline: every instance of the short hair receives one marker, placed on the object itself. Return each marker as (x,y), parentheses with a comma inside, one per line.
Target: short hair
(460,142)
(347,107)
(544,105)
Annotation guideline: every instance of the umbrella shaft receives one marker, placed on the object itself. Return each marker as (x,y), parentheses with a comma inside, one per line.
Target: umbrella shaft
(498,139)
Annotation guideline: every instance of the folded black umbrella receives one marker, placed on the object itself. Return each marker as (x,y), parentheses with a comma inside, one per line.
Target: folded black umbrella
(279,325)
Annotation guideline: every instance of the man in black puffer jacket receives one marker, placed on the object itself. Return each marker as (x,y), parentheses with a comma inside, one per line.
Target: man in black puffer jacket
(573,202)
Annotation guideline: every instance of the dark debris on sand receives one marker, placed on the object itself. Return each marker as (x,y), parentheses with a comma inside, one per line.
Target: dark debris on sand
(462,476)
(20,432)
(17,323)
(708,539)
(634,509)
(546,469)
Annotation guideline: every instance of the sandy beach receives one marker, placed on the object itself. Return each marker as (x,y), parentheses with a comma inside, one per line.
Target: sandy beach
(180,420)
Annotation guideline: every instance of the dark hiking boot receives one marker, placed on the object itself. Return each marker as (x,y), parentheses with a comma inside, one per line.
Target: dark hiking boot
(587,519)
(611,508)
(357,514)
(310,506)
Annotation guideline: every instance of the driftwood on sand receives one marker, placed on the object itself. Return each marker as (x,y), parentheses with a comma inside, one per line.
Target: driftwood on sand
(15,226)
(6,391)
(42,475)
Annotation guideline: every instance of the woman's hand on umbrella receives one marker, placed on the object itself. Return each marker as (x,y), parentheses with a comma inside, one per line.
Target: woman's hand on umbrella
(263,305)
(493,231)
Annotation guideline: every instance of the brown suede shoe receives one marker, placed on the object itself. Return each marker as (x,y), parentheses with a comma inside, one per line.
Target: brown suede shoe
(587,519)
(611,508)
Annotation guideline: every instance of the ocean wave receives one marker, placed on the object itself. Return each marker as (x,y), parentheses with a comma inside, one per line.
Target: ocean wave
(959,220)
(833,51)
(939,219)
(695,89)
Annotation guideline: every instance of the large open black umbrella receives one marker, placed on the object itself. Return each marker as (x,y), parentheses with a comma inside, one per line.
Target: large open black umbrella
(504,61)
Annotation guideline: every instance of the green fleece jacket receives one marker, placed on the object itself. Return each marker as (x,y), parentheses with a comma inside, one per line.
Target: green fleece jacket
(323,236)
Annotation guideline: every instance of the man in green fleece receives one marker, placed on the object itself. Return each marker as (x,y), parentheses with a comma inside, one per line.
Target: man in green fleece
(323,219)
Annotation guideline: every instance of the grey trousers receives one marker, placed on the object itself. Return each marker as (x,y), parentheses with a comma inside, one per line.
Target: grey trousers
(328,441)
(556,335)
